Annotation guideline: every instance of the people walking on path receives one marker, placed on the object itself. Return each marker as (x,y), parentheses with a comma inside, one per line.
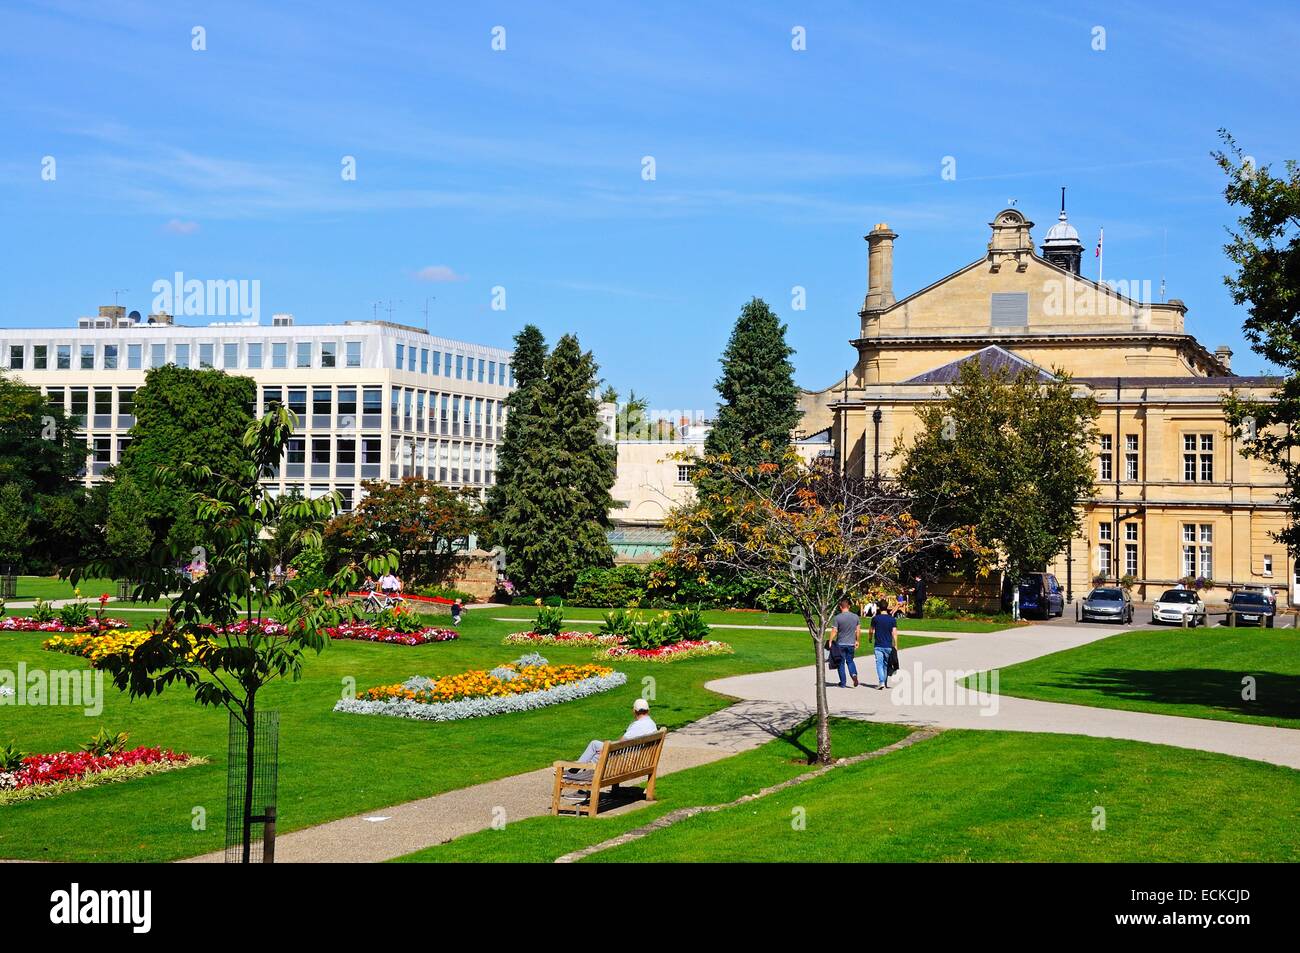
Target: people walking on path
(848,637)
(884,632)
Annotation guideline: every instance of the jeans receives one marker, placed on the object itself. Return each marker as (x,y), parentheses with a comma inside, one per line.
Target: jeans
(846,658)
(882,662)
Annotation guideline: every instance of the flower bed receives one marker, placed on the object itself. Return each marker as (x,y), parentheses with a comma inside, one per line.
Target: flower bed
(561,638)
(47,775)
(28,624)
(369,633)
(523,685)
(96,647)
(676,652)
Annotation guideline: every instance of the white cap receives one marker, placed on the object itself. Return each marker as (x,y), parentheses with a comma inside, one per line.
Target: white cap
(640,705)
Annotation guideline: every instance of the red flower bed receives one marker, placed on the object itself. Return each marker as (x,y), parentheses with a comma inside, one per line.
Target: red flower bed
(28,624)
(51,768)
(368,633)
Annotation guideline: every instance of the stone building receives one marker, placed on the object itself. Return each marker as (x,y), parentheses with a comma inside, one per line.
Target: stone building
(1174,496)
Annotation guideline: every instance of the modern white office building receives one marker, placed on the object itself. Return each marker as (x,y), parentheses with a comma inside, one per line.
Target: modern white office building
(374,399)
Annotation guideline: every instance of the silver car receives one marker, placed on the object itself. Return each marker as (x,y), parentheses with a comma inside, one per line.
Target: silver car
(1107,604)
(1175,604)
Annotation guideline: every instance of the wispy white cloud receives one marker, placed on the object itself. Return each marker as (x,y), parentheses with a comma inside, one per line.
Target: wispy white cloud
(178,226)
(437,273)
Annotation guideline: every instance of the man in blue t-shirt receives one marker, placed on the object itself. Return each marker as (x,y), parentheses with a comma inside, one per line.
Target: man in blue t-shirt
(884,631)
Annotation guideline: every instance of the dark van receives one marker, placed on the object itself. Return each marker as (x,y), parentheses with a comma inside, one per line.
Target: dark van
(1041,596)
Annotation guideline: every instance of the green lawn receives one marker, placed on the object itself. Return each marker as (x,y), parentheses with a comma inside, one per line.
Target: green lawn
(1004,796)
(333,765)
(745,617)
(543,839)
(1193,672)
(50,587)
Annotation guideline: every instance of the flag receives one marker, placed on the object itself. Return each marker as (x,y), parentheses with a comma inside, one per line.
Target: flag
(1100,234)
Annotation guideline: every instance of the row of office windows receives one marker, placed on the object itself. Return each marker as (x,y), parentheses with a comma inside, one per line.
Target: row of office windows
(461,367)
(1198,458)
(446,414)
(1196,539)
(234,355)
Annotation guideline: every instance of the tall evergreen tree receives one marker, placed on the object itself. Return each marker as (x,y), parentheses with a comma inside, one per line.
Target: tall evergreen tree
(759,405)
(759,398)
(554,523)
(522,433)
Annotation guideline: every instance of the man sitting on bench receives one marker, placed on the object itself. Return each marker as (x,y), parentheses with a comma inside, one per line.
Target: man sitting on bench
(642,724)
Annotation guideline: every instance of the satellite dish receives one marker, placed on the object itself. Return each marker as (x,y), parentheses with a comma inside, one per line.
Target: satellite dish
(134,316)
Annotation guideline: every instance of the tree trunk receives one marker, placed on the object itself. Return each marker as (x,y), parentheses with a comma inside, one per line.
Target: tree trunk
(250,740)
(823,715)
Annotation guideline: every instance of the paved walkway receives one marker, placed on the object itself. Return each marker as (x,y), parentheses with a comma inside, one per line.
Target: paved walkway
(395,831)
(942,664)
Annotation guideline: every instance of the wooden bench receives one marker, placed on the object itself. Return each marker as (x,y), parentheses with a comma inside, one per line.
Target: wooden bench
(619,761)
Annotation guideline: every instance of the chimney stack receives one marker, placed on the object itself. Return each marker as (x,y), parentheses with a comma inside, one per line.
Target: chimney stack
(880,268)
(1224,354)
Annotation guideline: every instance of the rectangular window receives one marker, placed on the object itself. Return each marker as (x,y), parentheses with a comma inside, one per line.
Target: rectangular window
(103,449)
(401,355)
(80,404)
(254,355)
(110,357)
(353,349)
(16,357)
(207,356)
(372,401)
(182,355)
(280,354)
(492,372)
(298,400)
(1198,550)
(303,358)
(1130,559)
(684,472)
(460,366)
(1198,458)
(1130,456)
(328,354)
(230,355)
(347,401)
(1104,459)
(437,362)
(446,364)
(270,395)
(134,357)
(63,357)
(87,357)
(322,400)
(103,401)
(157,355)
(1009,309)
(1207,458)
(296,449)
(40,357)
(1268,564)
(347,450)
(320,450)
(371,450)
(424,360)
(126,401)
(410,358)
(481,370)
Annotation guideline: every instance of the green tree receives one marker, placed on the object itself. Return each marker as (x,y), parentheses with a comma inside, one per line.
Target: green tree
(15,518)
(554,522)
(523,433)
(189,420)
(1011,456)
(215,639)
(126,532)
(42,456)
(1265,248)
(759,406)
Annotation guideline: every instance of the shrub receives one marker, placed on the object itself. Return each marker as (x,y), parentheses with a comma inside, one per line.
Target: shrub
(104,743)
(75,615)
(530,659)
(310,564)
(616,587)
(549,621)
(11,759)
(936,607)
(398,619)
(618,622)
(688,625)
(653,634)
(446,592)
(42,611)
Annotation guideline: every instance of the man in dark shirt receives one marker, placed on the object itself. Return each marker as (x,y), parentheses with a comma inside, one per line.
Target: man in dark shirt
(884,631)
(848,635)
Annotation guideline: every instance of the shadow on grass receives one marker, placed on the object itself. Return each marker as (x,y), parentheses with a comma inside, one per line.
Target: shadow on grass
(1276,695)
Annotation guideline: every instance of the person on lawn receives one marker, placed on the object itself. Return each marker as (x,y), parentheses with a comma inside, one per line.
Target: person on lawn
(390,584)
(848,637)
(642,725)
(457,608)
(884,631)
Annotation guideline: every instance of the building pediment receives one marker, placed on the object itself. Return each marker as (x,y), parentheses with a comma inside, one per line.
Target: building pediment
(991,360)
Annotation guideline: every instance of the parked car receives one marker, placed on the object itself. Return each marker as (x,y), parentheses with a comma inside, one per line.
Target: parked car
(1107,604)
(1174,604)
(1041,596)
(1251,608)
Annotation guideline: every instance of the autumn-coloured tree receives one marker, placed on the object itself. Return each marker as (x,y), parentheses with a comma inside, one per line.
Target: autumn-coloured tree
(811,533)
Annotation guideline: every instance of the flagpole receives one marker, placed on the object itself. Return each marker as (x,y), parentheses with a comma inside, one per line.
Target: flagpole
(1101,254)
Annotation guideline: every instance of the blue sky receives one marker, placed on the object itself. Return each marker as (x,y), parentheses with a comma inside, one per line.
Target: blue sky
(523,168)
